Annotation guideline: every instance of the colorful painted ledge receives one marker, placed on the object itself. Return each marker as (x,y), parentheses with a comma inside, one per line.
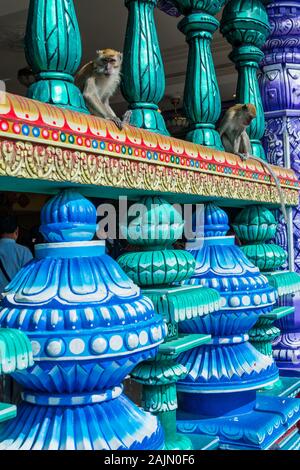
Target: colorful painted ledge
(46,143)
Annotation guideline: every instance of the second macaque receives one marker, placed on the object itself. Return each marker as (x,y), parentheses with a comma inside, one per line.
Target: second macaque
(232,129)
(98,80)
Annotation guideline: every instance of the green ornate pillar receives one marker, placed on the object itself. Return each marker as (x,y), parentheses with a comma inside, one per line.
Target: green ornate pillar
(159,269)
(53,51)
(143,76)
(264,332)
(245,25)
(254,226)
(202,102)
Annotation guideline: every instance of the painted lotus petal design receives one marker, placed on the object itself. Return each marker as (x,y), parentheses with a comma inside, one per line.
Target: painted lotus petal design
(89,326)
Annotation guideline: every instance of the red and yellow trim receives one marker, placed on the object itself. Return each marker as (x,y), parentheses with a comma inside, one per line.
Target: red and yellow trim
(41,128)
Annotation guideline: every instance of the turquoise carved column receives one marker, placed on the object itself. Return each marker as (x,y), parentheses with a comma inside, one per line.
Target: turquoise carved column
(53,51)
(202,102)
(143,76)
(255,226)
(245,25)
(159,269)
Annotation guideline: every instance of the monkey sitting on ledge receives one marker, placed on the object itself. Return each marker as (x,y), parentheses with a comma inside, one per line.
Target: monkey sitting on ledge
(98,80)
(232,129)
(235,139)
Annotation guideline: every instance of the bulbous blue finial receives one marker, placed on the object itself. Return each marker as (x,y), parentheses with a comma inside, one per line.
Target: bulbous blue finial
(68,217)
(215,221)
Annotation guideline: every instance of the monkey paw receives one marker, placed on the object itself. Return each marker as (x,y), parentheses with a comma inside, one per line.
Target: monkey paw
(117,122)
(127,117)
(243,156)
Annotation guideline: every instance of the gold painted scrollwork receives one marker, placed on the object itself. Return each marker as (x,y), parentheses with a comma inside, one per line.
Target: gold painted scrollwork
(14,157)
(39,162)
(25,160)
(92,169)
(152,181)
(67,165)
(114,172)
(134,174)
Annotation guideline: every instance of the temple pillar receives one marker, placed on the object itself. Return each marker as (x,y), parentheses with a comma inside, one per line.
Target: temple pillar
(255,226)
(245,26)
(143,76)
(53,51)
(280,88)
(158,269)
(89,326)
(202,102)
(218,395)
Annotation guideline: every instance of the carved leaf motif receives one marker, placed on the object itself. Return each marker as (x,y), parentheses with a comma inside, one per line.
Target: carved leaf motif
(272,75)
(294,74)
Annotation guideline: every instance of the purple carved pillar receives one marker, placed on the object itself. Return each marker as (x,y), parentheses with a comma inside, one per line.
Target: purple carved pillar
(280,89)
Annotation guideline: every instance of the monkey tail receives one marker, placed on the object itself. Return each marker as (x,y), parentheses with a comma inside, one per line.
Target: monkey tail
(277,182)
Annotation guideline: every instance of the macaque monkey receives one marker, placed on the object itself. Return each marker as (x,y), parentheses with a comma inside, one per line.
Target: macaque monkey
(235,139)
(98,80)
(232,129)
(26,76)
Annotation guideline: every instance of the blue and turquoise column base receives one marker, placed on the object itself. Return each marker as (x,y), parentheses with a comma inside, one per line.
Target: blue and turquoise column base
(65,422)
(256,423)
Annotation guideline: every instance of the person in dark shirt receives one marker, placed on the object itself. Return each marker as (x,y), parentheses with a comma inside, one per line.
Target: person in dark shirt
(12,255)
(12,258)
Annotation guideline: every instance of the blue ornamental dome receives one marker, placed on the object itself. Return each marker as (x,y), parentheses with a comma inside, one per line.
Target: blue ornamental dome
(215,221)
(245,294)
(211,222)
(68,217)
(89,326)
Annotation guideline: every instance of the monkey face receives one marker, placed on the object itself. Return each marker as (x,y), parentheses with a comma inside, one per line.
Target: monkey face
(249,113)
(108,62)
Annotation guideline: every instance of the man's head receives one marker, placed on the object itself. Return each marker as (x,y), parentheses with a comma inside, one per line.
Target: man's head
(9,227)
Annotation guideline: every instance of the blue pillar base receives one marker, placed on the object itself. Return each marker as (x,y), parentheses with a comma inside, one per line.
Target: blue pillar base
(255,427)
(116,424)
(288,370)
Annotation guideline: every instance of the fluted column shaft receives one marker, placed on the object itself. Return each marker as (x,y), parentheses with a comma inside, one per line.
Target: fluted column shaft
(53,51)
(245,25)
(143,76)
(202,102)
